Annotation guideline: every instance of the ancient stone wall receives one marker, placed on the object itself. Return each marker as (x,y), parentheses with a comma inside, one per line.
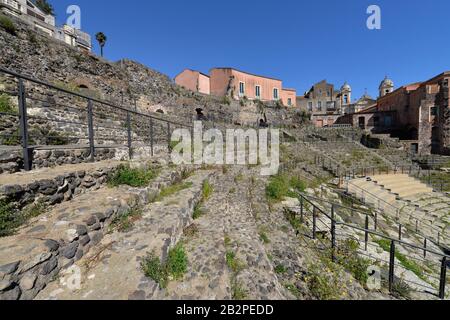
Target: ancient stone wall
(135,84)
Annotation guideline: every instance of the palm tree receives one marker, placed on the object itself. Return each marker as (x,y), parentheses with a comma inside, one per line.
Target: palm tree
(46,7)
(101,38)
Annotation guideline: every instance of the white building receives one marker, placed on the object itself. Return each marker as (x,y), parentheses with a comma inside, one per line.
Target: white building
(29,12)
(74,37)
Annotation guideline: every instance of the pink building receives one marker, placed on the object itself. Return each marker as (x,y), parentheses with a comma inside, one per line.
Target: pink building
(237,84)
(194,81)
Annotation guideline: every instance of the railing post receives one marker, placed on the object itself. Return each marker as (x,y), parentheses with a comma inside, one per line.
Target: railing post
(366,236)
(392,266)
(314,223)
(333,234)
(443,278)
(168,136)
(376,220)
(151,136)
(400,232)
(301,209)
(24,126)
(130,151)
(425,243)
(91,131)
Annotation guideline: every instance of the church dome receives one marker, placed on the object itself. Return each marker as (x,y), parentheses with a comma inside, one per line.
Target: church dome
(346,87)
(387,83)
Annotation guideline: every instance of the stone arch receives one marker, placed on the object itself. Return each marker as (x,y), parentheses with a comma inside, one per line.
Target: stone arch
(200,115)
(82,84)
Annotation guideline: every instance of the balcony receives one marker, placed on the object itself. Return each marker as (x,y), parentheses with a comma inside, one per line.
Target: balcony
(331,106)
(12,4)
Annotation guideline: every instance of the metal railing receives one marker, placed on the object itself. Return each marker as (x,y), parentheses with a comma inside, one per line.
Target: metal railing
(418,227)
(319,222)
(92,117)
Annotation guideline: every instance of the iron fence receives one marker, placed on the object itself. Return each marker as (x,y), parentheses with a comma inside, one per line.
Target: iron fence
(74,120)
(318,223)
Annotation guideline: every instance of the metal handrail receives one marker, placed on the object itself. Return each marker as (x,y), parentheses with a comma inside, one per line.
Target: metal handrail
(398,210)
(130,114)
(367,231)
(80,95)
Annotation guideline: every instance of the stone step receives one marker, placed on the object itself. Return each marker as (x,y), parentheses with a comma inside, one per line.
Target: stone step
(228,226)
(50,186)
(113,269)
(66,233)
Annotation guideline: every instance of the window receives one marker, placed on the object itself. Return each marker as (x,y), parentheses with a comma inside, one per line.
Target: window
(319,106)
(258,91)
(289,102)
(345,99)
(376,122)
(434,112)
(310,106)
(275,94)
(241,89)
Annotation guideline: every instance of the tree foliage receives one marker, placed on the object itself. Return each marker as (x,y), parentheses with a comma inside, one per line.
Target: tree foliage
(45,7)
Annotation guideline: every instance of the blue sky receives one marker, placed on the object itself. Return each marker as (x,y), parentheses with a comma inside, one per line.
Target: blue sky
(300,42)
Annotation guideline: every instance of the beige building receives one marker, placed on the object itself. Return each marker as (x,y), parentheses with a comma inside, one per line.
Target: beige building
(324,103)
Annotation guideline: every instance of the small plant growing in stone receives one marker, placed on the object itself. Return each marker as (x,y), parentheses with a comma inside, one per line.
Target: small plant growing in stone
(198,212)
(238,178)
(125,221)
(233,262)
(177,262)
(9,218)
(172,145)
(280,269)
(323,284)
(347,256)
(237,290)
(227,241)
(5,104)
(132,177)
(293,290)
(35,210)
(401,290)
(155,270)
(207,190)
(8,25)
(224,169)
(226,100)
(175,267)
(171,190)
(264,238)
(281,186)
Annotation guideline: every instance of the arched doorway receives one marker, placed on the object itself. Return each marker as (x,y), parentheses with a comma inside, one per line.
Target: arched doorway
(200,115)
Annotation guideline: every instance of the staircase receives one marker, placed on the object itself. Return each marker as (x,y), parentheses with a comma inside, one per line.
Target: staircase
(408,202)
(402,185)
